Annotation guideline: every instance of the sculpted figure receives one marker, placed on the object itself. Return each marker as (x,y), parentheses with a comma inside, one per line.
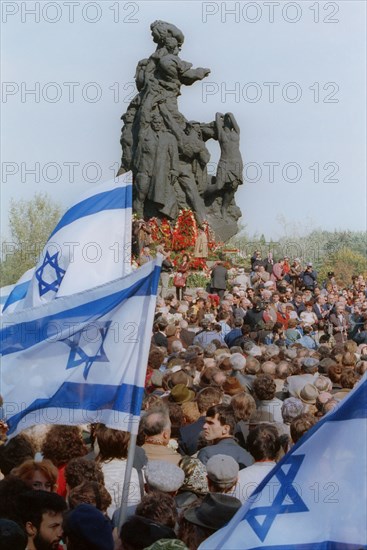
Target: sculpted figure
(160,76)
(127,141)
(167,154)
(230,167)
(189,149)
(155,167)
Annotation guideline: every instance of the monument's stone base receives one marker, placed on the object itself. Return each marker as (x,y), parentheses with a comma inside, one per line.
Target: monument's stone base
(223,229)
(224,226)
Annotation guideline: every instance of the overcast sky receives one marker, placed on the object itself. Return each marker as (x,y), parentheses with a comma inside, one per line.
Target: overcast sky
(293,74)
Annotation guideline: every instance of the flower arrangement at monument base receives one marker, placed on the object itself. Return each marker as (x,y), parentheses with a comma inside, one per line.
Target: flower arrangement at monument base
(198,264)
(185,231)
(161,231)
(181,237)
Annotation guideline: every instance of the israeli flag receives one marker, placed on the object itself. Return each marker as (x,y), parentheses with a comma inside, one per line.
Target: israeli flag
(4,294)
(80,358)
(90,245)
(13,296)
(315,497)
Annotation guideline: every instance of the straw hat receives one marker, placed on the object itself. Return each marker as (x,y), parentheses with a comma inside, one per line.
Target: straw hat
(308,394)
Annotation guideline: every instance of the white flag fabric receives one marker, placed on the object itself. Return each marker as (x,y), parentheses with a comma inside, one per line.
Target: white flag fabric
(80,358)
(315,497)
(90,246)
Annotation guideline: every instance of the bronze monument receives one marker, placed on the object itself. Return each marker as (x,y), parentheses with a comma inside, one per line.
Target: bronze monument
(167,154)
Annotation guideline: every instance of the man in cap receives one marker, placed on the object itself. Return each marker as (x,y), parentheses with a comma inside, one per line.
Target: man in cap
(164,477)
(214,511)
(222,473)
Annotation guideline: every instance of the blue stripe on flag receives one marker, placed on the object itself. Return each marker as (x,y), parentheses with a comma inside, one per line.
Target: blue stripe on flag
(325,545)
(108,200)
(18,293)
(21,336)
(86,397)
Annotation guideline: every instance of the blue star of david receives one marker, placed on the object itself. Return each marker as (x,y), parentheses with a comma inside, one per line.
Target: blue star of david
(277,507)
(53,272)
(78,355)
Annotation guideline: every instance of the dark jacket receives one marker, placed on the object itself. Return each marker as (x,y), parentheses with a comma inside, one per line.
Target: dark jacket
(167,266)
(227,446)
(219,277)
(309,279)
(253,317)
(159,339)
(189,435)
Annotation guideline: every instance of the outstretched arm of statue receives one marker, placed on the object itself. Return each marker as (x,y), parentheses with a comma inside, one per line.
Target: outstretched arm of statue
(192,75)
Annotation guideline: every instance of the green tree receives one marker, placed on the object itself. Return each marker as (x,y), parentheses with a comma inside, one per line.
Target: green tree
(31,223)
(344,263)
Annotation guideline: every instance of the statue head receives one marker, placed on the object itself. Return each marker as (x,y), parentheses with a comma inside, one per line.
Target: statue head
(172,45)
(156,122)
(194,125)
(128,117)
(161,30)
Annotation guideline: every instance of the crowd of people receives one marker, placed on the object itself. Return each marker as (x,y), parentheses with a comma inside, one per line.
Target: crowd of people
(237,373)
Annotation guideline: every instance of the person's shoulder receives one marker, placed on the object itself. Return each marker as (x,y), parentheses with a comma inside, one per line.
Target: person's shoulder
(228,442)
(204,454)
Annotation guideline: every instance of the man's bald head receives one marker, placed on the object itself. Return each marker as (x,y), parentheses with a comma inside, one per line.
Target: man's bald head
(283,370)
(155,422)
(268,367)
